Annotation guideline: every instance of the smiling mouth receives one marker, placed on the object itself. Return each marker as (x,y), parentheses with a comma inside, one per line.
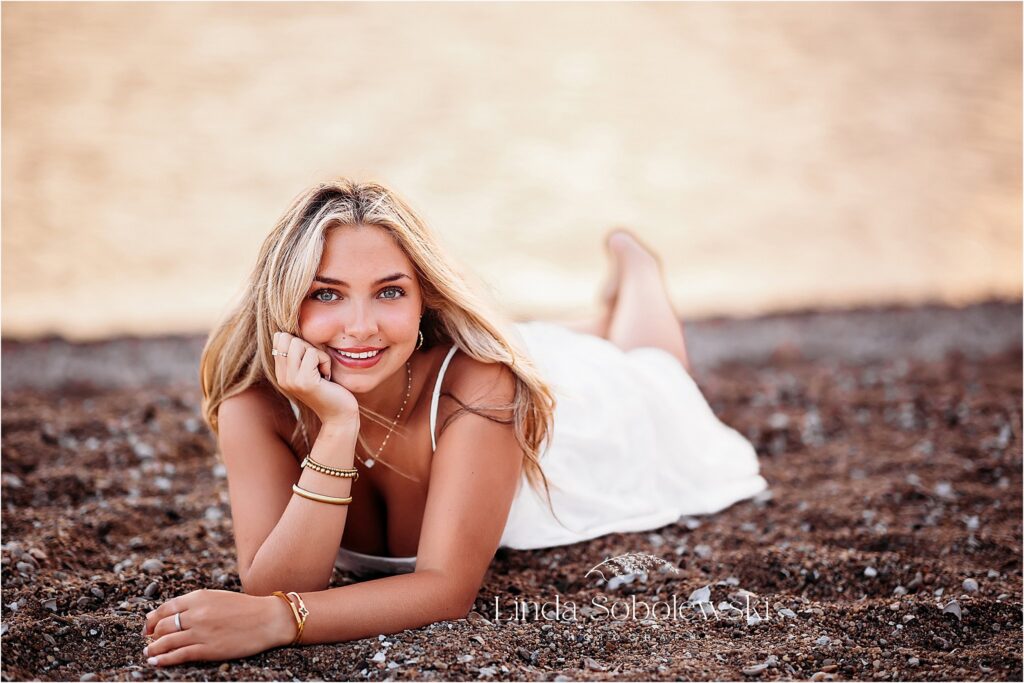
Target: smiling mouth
(366,355)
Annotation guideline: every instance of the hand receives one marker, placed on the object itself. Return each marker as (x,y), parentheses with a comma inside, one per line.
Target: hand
(306,373)
(216,625)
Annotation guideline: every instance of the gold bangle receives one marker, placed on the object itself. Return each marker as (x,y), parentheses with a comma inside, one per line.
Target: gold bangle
(302,611)
(319,497)
(299,621)
(350,473)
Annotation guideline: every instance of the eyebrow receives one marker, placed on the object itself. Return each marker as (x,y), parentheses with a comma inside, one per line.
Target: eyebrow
(341,283)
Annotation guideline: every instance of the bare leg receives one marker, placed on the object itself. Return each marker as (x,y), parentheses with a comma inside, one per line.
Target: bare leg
(598,325)
(643,314)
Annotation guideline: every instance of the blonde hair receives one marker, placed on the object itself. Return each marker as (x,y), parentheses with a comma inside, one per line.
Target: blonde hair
(237,352)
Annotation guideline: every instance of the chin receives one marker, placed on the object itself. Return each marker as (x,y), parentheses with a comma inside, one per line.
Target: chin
(357,384)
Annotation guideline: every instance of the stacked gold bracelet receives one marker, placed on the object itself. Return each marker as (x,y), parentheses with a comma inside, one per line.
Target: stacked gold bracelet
(349,473)
(300,613)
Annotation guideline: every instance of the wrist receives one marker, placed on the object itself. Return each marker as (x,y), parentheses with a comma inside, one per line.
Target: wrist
(280,622)
(340,430)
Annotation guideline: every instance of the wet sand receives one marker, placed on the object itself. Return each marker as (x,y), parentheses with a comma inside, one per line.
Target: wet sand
(895,490)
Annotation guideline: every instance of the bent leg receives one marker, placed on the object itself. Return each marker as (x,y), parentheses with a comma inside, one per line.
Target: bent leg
(643,313)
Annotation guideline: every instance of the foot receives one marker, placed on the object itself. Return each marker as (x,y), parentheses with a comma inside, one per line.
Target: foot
(625,251)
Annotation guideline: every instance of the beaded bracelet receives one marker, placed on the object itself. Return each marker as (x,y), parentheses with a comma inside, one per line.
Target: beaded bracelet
(350,473)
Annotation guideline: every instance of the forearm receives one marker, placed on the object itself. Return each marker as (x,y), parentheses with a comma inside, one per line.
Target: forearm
(299,552)
(381,606)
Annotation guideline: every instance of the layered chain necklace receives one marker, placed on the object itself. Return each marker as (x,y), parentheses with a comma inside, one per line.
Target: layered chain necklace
(375,458)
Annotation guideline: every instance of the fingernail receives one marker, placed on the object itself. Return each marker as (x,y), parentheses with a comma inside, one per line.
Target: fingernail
(151,661)
(145,651)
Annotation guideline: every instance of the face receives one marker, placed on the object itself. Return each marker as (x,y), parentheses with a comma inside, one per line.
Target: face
(364,297)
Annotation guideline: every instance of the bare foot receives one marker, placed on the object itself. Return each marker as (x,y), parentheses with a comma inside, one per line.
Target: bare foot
(625,251)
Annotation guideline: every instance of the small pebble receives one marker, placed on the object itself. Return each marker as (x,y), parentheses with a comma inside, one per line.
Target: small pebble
(152,590)
(970,585)
(152,566)
(788,613)
(823,640)
(870,572)
(913,661)
(755,670)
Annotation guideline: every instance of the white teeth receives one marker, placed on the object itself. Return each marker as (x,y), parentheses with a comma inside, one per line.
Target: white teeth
(368,354)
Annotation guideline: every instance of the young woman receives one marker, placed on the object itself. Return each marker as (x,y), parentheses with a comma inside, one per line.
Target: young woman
(375,415)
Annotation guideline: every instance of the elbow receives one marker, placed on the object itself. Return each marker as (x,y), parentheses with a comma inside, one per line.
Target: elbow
(251,587)
(455,598)
(459,606)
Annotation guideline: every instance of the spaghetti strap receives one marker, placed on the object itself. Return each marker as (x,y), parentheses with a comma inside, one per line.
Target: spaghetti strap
(436,396)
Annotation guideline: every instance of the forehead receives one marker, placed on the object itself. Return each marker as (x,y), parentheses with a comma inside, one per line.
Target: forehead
(351,250)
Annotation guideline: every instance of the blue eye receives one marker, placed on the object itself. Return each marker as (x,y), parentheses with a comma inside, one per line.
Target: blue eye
(385,294)
(316,295)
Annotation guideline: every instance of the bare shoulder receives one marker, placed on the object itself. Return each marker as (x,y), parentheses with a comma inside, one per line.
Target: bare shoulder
(474,382)
(256,405)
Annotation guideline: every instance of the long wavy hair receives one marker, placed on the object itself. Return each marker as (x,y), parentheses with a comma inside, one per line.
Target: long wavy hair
(237,352)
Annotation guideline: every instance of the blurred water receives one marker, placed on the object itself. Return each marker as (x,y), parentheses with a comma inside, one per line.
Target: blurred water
(777,155)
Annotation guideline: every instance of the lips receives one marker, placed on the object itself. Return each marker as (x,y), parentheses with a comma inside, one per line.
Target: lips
(356,362)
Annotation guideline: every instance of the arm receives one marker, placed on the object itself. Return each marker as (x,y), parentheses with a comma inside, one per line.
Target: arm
(284,541)
(473,479)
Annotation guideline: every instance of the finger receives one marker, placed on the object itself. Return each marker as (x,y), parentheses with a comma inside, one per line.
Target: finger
(190,653)
(325,363)
(279,345)
(296,349)
(167,643)
(310,366)
(168,608)
(168,625)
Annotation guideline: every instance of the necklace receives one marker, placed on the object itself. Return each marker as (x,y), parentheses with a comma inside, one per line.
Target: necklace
(371,461)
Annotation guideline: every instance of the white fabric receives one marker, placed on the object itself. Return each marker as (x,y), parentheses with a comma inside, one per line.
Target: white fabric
(436,396)
(635,446)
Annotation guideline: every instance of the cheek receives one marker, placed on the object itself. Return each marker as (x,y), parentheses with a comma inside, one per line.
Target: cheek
(314,323)
(399,324)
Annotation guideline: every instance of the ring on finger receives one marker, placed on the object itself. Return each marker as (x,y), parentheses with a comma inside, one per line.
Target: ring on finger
(177,621)
(275,352)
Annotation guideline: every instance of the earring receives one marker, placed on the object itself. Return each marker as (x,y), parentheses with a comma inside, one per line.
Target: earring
(420,344)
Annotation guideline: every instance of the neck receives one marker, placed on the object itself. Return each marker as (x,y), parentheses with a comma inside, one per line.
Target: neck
(387,397)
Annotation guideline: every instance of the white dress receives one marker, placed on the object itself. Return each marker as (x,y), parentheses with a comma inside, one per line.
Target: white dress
(635,446)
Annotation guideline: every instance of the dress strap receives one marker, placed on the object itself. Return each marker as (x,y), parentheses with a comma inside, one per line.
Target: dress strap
(436,396)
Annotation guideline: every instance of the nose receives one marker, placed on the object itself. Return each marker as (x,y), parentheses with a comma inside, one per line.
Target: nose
(361,324)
